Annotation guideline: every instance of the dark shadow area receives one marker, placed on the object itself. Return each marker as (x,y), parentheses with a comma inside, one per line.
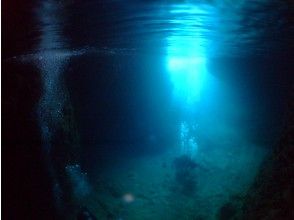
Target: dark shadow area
(185,174)
(26,186)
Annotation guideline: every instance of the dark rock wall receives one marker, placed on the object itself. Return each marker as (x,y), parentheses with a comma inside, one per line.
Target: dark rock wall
(272,195)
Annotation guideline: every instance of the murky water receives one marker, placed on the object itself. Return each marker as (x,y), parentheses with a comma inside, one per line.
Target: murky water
(158,109)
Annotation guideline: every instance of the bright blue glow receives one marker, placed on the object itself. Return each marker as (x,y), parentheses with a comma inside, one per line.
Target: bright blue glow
(186,52)
(187,75)
(177,63)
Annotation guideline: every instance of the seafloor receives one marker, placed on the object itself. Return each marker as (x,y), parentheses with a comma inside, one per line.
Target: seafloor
(168,186)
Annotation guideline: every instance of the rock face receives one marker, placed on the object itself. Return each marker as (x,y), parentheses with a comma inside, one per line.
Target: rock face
(272,195)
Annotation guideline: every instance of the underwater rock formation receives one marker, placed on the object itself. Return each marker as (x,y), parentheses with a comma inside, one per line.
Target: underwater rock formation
(272,195)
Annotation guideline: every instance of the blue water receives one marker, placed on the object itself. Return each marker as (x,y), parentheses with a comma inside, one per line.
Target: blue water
(159,109)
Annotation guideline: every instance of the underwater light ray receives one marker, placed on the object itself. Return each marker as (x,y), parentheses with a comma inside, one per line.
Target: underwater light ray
(186,65)
(186,52)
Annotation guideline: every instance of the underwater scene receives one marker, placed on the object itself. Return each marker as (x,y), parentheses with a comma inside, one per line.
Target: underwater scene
(148,110)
